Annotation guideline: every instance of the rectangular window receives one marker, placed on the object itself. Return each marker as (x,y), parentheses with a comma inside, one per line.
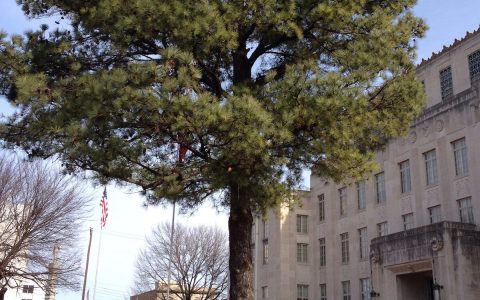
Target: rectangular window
(466,210)
(407,221)
(302,224)
(342,195)
(345,248)
(382,228)
(254,232)
(431,167)
(265,251)
(264,229)
(460,156)
(365,288)
(264,292)
(302,292)
(474,65)
(346,290)
(323,256)
(27,289)
(435,214)
(361,194)
(363,239)
(405,179)
(446,82)
(302,253)
(323,291)
(380,187)
(321,207)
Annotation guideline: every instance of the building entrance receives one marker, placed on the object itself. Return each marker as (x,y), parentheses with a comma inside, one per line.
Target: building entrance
(415,286)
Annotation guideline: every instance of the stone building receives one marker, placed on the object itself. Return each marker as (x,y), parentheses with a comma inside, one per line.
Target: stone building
(408,231)
(160,293)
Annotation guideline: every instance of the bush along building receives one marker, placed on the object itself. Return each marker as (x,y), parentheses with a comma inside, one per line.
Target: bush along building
(407,231)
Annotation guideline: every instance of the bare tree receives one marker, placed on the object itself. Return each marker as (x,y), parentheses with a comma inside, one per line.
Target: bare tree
(199,266)
(40,210)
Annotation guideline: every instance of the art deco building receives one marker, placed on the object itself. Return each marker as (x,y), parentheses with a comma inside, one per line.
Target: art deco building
(407,231)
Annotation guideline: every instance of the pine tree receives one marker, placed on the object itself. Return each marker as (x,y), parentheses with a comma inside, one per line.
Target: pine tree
(254,91)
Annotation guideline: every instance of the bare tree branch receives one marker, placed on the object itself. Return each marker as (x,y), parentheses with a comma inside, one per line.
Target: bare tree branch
(199,262)
(39,208)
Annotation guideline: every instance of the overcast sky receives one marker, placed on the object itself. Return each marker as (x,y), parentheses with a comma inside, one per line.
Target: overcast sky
(128,222)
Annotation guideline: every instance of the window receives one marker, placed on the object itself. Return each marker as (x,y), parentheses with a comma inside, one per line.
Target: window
(323,291)
(474,65)
(382,228)
(466,210)
(346,290)
(342,194)
(323,256)
(435,214)
(302,224)
(446,83)
(302,253)
(27,289)
(361,194)
(431,167)
(407,221)
(460,156)
(380,187)
(345,248)
(264,229)
(321,207)
(265,251)
(254,232)
(405,179)
(302,292)
(363,237)
(365,288)
(264,292)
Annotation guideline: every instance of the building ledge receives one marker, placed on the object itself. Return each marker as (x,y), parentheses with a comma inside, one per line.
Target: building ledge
(421,242)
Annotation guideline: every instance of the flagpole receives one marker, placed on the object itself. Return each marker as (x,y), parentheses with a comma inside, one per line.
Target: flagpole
(103,220)
(98,262)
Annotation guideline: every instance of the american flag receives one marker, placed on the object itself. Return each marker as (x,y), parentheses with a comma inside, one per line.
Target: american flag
(104,206)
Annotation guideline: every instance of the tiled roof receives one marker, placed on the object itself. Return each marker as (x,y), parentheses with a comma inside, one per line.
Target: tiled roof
(455,43)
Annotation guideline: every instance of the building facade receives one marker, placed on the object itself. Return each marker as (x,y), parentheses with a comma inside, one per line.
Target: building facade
(407,231)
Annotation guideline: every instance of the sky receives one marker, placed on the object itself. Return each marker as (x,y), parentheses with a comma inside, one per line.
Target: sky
(129,222)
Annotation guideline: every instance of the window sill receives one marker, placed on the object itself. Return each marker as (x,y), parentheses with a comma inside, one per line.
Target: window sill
(458,177)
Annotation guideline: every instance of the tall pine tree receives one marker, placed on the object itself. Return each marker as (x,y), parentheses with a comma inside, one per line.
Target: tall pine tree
(254,91)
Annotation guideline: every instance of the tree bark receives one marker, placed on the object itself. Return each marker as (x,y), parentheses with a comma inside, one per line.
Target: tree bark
(3,291)
(240,225)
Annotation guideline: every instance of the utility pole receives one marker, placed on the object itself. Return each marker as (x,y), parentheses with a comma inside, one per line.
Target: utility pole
(86,267)
(171,252)
(52,275)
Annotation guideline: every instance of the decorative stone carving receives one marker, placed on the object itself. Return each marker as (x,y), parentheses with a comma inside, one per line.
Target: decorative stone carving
(425,131)
(436,243)
(412,137)
(374,256)
(439,125)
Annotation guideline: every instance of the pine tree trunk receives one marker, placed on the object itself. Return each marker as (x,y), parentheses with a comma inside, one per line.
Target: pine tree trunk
(240,231)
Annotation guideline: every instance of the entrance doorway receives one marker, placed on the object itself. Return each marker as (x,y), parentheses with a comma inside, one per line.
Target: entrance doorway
(416,286)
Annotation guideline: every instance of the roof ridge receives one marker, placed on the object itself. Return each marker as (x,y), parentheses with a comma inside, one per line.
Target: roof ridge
(445,48)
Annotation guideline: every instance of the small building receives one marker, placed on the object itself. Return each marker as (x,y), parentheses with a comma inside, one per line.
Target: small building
(407,231)
(160,293)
